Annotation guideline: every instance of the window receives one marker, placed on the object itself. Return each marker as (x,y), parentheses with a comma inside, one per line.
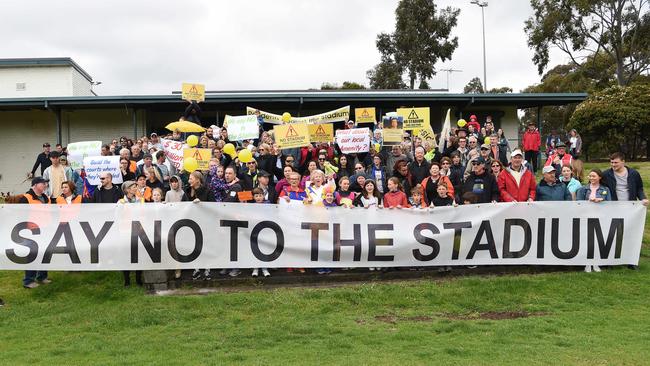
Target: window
(21,86)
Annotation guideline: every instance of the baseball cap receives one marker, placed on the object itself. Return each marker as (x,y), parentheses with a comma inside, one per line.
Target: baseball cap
(516,152)
(126,185)
(548,169)
(153,134)
(479,160)
(561,144)
(485,146)
(38,180)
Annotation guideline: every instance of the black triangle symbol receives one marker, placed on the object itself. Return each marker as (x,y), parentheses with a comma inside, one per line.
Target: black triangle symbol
(413,115)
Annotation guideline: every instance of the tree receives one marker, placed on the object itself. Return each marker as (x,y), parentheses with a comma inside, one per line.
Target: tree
(501,90)
(386,75)
(615,119)
(474,86)
(346,85)
(420,39)
(617,29)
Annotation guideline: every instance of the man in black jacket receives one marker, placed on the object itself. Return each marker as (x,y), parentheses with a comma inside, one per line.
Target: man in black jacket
(107,192)
(43,159)
(481,183)
(498,152)
(624,182)
(419,167)
(231,194)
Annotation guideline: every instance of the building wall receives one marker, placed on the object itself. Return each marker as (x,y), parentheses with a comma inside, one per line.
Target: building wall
(80,85)
(98,124)
(50,81)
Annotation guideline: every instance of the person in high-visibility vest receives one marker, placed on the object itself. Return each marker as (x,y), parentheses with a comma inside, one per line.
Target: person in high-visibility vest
(36,196)
(68,194)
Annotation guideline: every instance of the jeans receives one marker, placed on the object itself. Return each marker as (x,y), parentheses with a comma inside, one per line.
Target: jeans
(531,157)
(31,276)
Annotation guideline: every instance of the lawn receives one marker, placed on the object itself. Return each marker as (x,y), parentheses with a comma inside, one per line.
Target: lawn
(573,318)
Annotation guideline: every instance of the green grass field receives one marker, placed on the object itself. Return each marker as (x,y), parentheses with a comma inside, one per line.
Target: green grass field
(575,318)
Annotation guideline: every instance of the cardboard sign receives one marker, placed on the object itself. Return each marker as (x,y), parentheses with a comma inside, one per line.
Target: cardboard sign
(337,115)
(202,157)
(321,133)
(77,151)
(95,165)
(392,131)
(354,140)
(173,152)
(291,135)
(414,118)
(192,92)
(242,127)
(245,196)
(365,115)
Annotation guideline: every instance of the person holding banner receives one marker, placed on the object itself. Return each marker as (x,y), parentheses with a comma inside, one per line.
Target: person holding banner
(143,191)
(517,182)
(481,183)
(430,184)
(369,197)
(36,196)
(107,192)
(395,197)
(68,194)
(550,188)
(419,168)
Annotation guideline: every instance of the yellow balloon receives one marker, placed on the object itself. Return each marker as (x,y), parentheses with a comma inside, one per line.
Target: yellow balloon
(192,140)
(486,140)
(230,150)
(245,155)
(286,117)
(190,164)
(377,147)
(462,123)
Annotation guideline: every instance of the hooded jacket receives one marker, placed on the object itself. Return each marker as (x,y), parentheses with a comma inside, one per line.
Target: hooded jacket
(177,195)
(555,192)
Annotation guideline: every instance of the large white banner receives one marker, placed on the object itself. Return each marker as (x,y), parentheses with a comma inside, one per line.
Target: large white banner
(217,235)
(242,127)
(95,165)
(336,115)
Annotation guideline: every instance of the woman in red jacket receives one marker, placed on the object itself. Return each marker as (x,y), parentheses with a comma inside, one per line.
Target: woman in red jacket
(395,198)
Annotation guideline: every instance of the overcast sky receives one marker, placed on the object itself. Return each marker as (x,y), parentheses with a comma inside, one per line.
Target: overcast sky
(151,47)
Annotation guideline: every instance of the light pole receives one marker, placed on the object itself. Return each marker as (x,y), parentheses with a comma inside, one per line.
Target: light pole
(449,71)
(483,5)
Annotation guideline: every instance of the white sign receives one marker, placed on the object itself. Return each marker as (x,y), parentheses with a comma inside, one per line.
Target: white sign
(95,165)
(354,140)
(77,151)
(232,235)
(242,127)
(173,152)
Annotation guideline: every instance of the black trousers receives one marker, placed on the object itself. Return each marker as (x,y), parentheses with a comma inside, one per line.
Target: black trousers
(127,277)
(531,157)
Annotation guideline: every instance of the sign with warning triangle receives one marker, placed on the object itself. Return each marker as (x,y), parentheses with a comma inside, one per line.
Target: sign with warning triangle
(321,133)
(192,92)
(365,115)
(415,118)
(202,157)
(291,135)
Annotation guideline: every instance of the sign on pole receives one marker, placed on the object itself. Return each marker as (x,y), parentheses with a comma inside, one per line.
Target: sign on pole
(291,135)
(95,165)
(242,127)
(323,132)
(192,92)
(77,151)
(353,140)
(393,132)
(365,115)
(414,118)
(202,157)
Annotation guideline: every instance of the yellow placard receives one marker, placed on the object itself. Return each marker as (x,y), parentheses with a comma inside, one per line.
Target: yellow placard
(202,157)
(192,92)
(365,115)
(415,118)
(291,135)
(323,132)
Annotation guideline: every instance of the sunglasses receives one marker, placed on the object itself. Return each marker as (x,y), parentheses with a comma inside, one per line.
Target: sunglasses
(359,168)
(289,161)
(321,159)
(445,163)
(484,149)
(496,166)
(47,145)
(472,142)
(251,163)
(102,178)
(475,163)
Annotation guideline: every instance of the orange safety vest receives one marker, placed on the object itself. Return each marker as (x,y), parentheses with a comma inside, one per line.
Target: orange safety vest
(62,201)
(32,201)
(42,218)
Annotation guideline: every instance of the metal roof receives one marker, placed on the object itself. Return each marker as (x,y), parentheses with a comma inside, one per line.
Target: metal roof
(521,100)
(42,62)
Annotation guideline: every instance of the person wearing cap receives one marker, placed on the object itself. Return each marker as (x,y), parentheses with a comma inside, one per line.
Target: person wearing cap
(106,192)
(56,174)
(532,140)
(263,181)
(484,152)
(516,182)
(36,196)
(43,159)
(559,158)
(480,182)
(550,188)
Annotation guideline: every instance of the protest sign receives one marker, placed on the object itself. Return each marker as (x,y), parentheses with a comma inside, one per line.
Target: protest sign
(95,165)
(337,115)
(291,135)
(323,132)
(77,151)
(365,115)
(188,235)
(202,157)
(192,92)
(414,117)
(353,140)
(173,152)
(242,127)
(392,132)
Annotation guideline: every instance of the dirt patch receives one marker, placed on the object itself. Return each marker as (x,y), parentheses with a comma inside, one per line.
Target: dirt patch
(392,319)
(493,315)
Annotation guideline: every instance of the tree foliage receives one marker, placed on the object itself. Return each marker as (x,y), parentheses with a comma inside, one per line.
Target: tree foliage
(345,85)
(616,119)
(422,36)
(474,86)
(501,90)
(386,75)
(619,30)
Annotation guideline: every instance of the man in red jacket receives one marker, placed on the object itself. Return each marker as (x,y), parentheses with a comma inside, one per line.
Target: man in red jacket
(516,183)
(532,141)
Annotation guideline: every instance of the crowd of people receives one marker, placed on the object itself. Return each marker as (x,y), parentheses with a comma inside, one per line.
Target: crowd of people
(473,165)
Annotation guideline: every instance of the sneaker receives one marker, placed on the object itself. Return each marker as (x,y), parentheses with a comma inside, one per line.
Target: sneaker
(588,269)
(177,274)
(371,268)
(448,269)
(234,273)
(207,275)
(31,285)
(223,272)
(2,303)
(196,275)
(596,268)
(472,267)
(321,271)
(45,281)
(301,270)
(256,272)
(266,272)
